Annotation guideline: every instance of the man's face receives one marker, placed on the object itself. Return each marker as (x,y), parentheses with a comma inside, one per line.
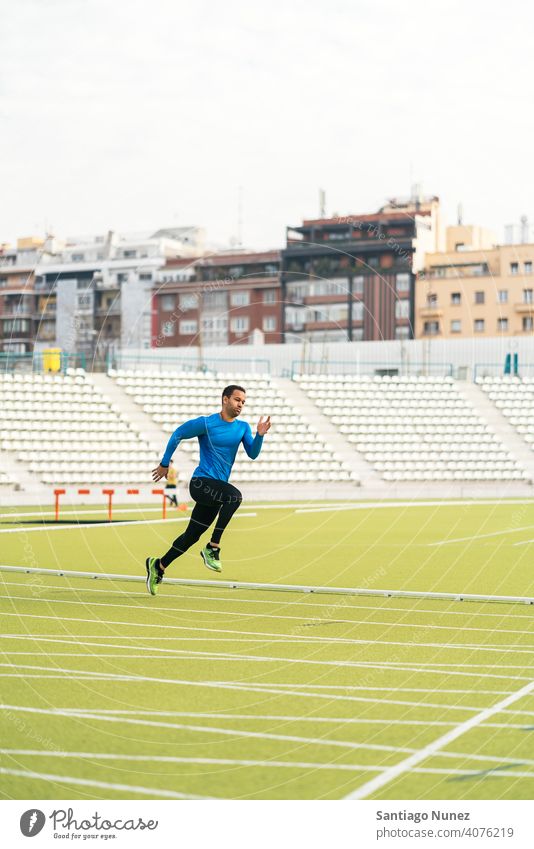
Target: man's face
(234,404)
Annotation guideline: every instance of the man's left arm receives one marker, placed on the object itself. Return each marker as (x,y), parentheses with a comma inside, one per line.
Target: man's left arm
(253,445)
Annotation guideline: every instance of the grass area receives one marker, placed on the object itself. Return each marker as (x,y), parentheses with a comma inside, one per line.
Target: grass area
(210,692)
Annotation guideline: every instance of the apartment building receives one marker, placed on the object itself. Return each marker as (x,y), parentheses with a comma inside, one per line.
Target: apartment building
(476,288)
(231,298)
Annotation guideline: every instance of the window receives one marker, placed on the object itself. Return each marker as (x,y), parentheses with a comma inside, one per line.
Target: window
(479,325)
(239,324)
(16,325)
(479,297)
(122,278)
(528,267)
(357,333)
(84,301)
(372,262)
(269,323)
(269,296)
(130,254)
(78,257)
(528,322)
(402,331)
(431,299)
(402,282)
(502,325)
(528,296)
(240,299)
(236,271)
(167,328)
(271,269)
(168,303)
(3,281)
(456,326)
(456,298)
(502,296)
(188,302)
(431,328)
(357,284)
(214,300)
(514,268)
(188,327)
(402,308)
(146,278)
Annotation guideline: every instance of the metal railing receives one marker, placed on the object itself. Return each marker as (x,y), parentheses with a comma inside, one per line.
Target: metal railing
(40,362)
(374,369)
(204,363)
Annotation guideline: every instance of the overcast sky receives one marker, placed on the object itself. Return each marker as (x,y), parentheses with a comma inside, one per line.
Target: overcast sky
(136,114)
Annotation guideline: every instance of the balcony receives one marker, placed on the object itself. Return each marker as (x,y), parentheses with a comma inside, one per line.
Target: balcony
(431,311)
(524,307)
(104,312)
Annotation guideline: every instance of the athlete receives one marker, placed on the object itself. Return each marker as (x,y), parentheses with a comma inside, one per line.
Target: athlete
(219,437)
(170,486)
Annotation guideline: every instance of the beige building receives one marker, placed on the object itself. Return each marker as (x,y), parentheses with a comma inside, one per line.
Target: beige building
(475,288)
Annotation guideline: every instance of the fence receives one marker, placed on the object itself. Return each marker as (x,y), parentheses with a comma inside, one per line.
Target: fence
(212,364)
(40,362)
(355,367)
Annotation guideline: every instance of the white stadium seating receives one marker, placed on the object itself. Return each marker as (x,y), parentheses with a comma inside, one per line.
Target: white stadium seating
(413,429)
(514,397)
(293,452)
(66,431)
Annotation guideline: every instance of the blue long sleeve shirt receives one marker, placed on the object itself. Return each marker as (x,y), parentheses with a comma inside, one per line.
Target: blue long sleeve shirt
(218,442)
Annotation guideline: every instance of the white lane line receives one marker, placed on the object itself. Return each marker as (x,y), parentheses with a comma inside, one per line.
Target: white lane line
(374,505)
(291,718)
(294,603)
(177,759)
(233,732)
(392,773)
(316,621)
(105,785)
(105,524)
(482,536)
(425,669)
(495,648)
(524,542)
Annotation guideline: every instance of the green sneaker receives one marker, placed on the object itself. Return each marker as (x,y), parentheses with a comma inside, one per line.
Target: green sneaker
(210,556)
(154,575)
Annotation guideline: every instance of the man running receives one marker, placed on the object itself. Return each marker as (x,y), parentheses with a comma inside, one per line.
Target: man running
(219,437)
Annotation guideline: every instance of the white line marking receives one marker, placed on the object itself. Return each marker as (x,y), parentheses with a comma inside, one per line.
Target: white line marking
(239,762)
(525,542)
(425,669)
(509,648)
(316,621)
(374,505)
(230,732)
(106,524)
(433,748)
(69,511)
(481,536)
(86,782)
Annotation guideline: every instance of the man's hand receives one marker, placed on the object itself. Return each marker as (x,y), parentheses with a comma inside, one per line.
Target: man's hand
(159,473)
(263,425)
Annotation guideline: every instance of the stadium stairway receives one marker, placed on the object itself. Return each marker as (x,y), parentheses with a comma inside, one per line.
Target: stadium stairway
(499,423)
(138,419)
(330,434)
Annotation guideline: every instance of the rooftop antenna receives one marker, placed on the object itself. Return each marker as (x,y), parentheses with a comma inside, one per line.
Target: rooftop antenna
(322,203)
(460,215)
(524,229)
(240,216)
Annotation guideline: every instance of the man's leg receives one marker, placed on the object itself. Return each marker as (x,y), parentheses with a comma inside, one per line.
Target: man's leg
(201,518)
(230,499)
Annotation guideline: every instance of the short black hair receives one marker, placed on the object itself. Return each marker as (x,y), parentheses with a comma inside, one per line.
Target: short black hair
(228,390)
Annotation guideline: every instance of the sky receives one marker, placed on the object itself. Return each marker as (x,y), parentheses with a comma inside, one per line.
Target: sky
(137,114)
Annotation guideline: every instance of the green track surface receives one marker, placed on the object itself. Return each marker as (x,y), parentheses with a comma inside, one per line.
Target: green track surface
(108,692)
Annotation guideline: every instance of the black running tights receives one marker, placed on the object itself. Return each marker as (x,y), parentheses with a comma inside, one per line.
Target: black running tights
(213,499)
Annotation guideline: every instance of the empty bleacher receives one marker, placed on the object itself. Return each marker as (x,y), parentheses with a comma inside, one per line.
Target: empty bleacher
(514,397)
(64,430)
(414,429)
(292,452)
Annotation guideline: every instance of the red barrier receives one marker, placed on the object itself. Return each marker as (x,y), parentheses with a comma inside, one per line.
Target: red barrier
(132,492)
(110,493)
(164,505)
(84,492)
(57,493)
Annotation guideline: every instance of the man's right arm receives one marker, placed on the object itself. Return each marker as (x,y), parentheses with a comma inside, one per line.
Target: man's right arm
(189,429)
